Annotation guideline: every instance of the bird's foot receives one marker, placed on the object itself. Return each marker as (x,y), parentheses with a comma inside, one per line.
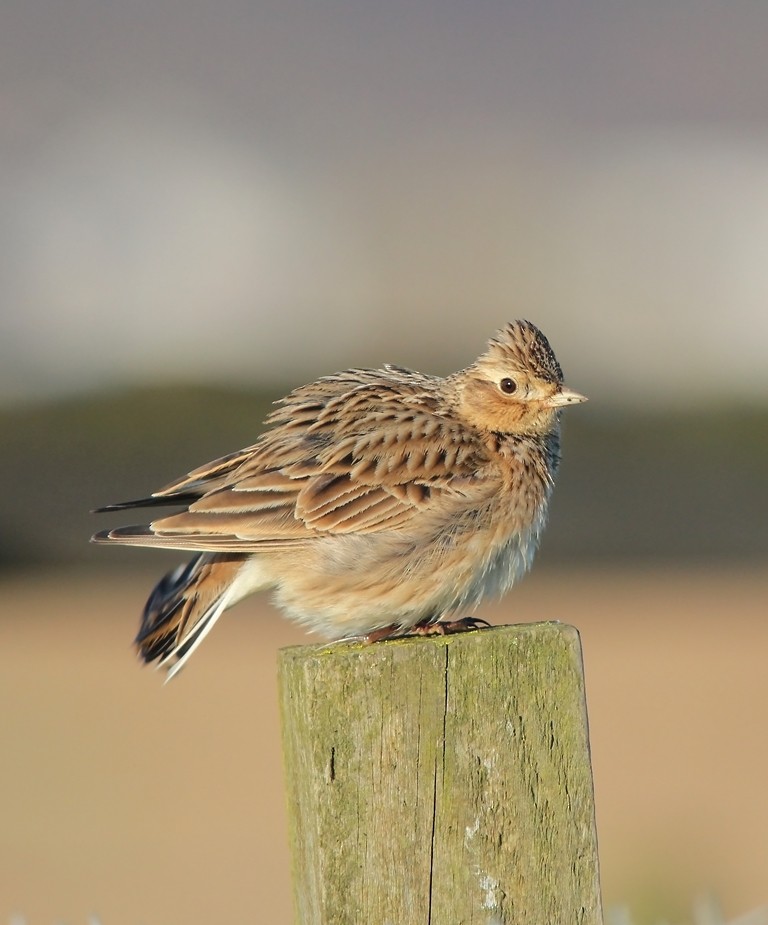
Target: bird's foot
(449,627)
(424,628)
(393,631)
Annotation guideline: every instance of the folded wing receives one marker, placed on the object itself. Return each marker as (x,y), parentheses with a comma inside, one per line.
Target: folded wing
(360,452)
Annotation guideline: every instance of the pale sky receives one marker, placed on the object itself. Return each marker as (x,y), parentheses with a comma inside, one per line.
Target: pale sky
(245,192)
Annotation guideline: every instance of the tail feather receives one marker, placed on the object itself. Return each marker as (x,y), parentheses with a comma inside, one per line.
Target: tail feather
(183,608)
(180,498)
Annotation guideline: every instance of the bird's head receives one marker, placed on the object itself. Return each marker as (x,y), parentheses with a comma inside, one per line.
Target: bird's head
(516,386)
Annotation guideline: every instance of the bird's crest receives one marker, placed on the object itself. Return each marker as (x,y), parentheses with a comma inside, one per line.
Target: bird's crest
(523,345)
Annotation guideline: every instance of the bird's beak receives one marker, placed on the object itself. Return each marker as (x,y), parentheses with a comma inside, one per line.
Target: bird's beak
(566,396)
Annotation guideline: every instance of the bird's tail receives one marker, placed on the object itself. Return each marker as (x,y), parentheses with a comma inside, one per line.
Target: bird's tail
(184,606)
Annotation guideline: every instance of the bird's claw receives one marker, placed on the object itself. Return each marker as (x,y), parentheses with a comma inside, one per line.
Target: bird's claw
(449,627)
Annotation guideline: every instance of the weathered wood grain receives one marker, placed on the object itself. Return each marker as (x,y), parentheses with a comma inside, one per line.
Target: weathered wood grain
(441,781)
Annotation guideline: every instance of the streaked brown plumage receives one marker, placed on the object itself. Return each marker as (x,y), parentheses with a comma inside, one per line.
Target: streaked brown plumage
(377,501)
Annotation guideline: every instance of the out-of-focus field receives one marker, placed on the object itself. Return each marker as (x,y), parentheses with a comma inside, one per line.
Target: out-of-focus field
(145,803)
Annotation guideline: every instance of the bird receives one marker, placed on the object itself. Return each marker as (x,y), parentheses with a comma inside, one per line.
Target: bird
(376,503)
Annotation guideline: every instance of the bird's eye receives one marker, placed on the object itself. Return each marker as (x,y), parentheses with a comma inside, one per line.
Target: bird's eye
(508,386)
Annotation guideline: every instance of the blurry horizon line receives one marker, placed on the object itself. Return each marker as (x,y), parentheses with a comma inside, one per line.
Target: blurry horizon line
(602,401)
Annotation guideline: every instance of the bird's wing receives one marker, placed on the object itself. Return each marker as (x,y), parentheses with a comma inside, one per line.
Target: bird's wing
(360,459)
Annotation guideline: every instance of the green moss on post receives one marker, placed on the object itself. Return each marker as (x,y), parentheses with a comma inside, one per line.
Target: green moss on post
(441,780)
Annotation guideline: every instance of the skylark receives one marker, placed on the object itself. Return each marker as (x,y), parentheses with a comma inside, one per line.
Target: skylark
(379,502)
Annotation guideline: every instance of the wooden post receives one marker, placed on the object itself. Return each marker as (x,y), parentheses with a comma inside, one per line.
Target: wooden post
(441,781)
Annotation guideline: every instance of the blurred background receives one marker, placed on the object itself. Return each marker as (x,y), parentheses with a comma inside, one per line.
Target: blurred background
(205,204)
